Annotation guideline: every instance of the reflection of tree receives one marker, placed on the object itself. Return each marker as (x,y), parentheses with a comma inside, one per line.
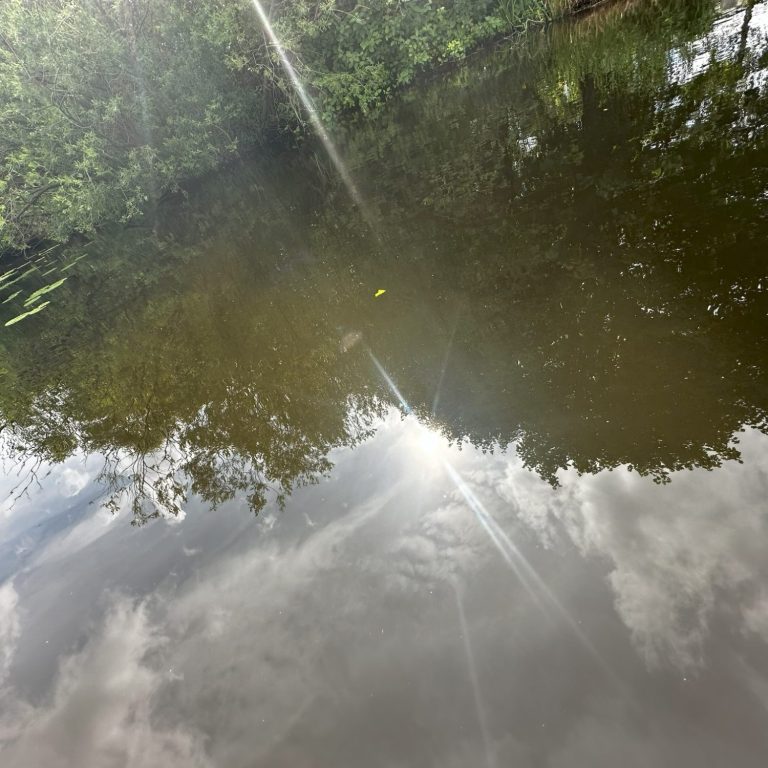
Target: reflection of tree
(215,389)
(578,274)
(608,250)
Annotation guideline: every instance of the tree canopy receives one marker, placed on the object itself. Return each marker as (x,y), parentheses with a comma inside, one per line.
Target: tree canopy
(107,106)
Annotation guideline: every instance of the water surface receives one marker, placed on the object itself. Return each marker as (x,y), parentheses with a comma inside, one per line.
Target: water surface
(512,511)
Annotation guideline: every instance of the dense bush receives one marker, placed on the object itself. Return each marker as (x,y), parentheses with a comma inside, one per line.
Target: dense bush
(107,105)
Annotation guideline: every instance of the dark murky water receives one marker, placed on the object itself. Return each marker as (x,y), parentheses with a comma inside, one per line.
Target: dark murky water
(512,511)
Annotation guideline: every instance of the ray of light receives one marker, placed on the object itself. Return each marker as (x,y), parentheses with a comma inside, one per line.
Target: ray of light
(391,384)
(526,574)
(495,534)
(446,358)
(314,117)
(482,719)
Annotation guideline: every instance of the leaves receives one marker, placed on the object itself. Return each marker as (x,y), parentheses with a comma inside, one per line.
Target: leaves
(107,107)
(100,115)
(33,297)
(34,311)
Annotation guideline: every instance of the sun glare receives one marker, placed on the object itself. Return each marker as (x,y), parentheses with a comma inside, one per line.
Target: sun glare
(314,116)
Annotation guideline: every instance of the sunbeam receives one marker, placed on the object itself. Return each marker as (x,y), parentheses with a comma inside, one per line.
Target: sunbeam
(526,574)
(444,367)
(531,581)
(482,720)
(314,118)
(499,539)
(391,384)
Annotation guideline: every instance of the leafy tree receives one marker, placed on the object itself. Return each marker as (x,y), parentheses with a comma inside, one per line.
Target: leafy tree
(107,106)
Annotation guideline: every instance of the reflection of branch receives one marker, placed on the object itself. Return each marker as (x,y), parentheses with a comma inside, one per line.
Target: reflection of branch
(148,480)
(745,32)
(29,465)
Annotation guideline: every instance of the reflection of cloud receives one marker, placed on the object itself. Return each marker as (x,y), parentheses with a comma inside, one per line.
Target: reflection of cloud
(324,645)
(9,627)
(264,617)
(99,713)
(756,616)
(42,501)
(434,548)
(77,538)
(71,481)
(672,550)
(597,740)
(129,696)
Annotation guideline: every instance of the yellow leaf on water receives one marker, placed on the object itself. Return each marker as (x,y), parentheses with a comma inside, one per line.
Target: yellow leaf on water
(379,293)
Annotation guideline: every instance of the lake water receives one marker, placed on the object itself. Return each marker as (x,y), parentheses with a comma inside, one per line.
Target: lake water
(510,511)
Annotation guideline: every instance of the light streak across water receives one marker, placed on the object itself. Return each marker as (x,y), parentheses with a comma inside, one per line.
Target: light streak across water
(534,585)
(314,117)
(391,384)
(482,719)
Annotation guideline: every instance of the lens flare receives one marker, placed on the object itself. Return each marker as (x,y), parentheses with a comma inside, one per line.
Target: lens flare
(482,719)
(526,574)
(314,117)
(391,384)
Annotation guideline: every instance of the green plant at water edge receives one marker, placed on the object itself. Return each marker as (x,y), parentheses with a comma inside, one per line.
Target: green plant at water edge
(520,13)
(107,106)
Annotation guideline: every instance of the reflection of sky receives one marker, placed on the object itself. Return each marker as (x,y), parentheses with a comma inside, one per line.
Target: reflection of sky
(329,634)
(38,503)
(720,43)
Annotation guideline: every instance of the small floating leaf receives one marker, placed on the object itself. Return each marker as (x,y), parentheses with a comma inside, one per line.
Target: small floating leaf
(33,297)
(380,292)
(34,311)
(11,297)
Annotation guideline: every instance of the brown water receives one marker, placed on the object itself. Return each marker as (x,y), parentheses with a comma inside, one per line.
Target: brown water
(512,511)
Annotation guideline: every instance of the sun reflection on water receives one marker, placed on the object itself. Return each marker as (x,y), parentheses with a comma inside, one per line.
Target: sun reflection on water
(432,448)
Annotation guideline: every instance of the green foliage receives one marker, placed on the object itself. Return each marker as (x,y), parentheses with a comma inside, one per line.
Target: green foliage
(34,311)
(106,106)
(565,296)
(379,46)
(33,297)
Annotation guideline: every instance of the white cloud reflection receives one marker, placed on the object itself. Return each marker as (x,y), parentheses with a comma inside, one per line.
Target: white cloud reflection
(675,552)
(323,645)
(99,713)
(10,627)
